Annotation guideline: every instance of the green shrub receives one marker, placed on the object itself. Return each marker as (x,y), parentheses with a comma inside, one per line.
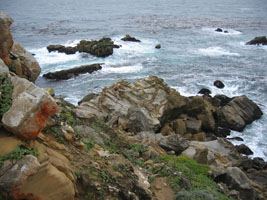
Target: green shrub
(6,90)
(19,153)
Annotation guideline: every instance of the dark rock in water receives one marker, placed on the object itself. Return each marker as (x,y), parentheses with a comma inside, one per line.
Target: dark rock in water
(226,32)
(204,91)
(70,73)
(244,149)
(130,38)
(87,98)
(101,48)
(219,30)
(158,46)
(56,47)
(236,138)
(258,163)
(218,84)
(223,99)
(238,113)
(258,40)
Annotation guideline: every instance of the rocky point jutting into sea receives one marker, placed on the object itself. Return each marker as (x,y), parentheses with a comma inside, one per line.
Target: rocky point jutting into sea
(142,141)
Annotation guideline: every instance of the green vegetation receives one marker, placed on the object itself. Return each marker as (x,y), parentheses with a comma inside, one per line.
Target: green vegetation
(89,143)
(133,154)
(19,153)
(186,174)
(6,90)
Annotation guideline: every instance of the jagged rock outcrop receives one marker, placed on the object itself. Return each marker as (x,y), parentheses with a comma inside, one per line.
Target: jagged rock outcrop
(155,99)
(6,40)
(31,108)
(73,72)
(14,55)
(101,48)
(258,40)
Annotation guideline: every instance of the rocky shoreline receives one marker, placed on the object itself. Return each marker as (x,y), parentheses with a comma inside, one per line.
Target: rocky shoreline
(142,141)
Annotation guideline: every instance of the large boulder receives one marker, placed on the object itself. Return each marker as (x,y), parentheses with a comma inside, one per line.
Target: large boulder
(238,113)
(236,179)
(173,143)
(216,153)
(258,40)
(6,40)
(153,97)
(73,72)
(3,68)
(31,108)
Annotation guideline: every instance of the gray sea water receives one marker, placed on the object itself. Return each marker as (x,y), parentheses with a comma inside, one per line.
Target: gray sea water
(192,56)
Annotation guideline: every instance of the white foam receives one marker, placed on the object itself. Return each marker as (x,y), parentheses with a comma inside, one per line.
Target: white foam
(122,69)
(229,33)
(45,58)
(216,51)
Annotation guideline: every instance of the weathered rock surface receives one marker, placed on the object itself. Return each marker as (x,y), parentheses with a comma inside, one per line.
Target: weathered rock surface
(244,149)
(158,102)
(258,40)
(238,113)
(130,38)
(73,72)
(6,40)
(101,48)
(30,109)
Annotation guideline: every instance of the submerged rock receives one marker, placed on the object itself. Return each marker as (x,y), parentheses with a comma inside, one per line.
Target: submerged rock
(258,40)
(219,30)
(218,84)
(70,73)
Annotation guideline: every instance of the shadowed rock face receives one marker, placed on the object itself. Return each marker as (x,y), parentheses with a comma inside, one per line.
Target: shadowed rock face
(130,39)
(70,73)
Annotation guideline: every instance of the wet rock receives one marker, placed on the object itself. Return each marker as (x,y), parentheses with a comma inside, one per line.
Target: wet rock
(244,149)
(31,108)
(174,142)
(222,132)
(258,40)
(56,47)
(73,72)
(101,48)
(6,40)
(158,46)
(235,138)
(218,84)
(204,91)
(238,113)
(219,30)
(130,38)
(236,179)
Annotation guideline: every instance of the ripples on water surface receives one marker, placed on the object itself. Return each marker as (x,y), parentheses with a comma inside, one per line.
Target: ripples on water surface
(192,56)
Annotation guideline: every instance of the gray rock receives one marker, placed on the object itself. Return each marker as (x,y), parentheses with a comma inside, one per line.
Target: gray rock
(174,142)
(3,68)
(193,126)
(242,148)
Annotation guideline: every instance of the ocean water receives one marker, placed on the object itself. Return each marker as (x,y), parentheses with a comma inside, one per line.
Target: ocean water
(192,56)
